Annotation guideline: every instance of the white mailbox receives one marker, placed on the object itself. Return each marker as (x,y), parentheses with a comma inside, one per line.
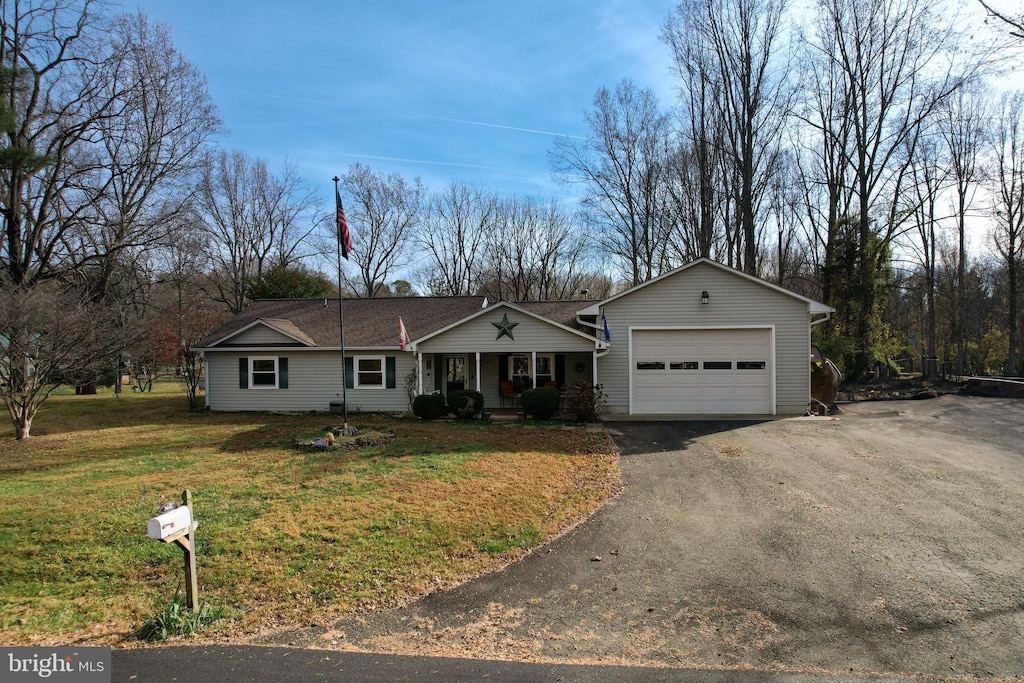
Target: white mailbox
(170,523)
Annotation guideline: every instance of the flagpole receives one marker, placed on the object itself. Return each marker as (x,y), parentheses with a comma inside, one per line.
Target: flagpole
(341,315)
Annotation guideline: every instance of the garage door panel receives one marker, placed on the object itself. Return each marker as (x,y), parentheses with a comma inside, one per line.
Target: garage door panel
(722,371)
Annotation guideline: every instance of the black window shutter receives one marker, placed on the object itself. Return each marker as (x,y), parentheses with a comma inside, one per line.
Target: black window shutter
(389,375)
(243,372)
(282,373)
(560,369)
(350,375)
(503,367)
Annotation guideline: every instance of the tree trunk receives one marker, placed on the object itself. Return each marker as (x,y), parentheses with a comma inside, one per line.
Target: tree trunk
(1012,368)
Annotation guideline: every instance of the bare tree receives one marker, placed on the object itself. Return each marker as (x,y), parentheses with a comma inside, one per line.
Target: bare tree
(697,176)
(889,64)
(383,212)
(149,149)
(623,168)
(452,237)
(535,252)
(69,337)
(54,95)
(181,309)
(743,57)
(1014,23)
(1008,210)
(254,221)
(792,258)
(963,123)
(928,174)
(99,121)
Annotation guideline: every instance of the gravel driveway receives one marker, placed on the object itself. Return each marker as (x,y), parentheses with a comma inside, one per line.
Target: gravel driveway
(889,539)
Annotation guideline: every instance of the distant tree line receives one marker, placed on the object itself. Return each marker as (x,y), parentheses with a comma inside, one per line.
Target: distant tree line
(848,157)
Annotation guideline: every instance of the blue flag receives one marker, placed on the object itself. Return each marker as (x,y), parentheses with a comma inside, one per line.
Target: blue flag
(604,322)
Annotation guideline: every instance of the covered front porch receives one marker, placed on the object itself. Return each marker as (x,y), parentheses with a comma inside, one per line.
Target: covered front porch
(502,377)
(504,350)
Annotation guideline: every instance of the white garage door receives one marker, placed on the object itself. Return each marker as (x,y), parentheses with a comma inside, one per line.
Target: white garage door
(702,372)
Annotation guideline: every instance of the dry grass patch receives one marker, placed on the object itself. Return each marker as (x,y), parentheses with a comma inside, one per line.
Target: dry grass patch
(286,537)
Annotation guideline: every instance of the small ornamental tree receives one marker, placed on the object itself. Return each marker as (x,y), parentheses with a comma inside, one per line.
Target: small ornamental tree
(584,399)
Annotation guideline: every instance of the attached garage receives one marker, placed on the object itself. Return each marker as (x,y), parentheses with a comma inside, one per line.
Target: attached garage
(706,339)
(701,371)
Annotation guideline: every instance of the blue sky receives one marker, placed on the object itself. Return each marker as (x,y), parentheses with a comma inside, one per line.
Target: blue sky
(452,90)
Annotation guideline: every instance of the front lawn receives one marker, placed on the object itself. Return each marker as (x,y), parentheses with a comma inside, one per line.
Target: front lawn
(287,537)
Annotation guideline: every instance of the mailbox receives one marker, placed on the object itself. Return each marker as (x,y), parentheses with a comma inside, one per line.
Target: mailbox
(178,520)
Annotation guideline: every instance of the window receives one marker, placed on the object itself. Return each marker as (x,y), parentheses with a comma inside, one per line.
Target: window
(684,365)
(519,370)
(545,369)
(650,365)
(370,372)
(263,373)
(718,365)
(750,365)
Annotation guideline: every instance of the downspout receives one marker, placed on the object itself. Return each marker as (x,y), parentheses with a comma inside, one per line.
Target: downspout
(206,381)
(419,369)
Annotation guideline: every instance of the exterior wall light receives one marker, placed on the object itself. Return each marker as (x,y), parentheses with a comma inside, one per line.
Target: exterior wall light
(704,297)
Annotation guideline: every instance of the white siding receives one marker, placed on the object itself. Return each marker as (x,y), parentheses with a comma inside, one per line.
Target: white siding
(529,335)
(734,301)
(314,381)
(261,335)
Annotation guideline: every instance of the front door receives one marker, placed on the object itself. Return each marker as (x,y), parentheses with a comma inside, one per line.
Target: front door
(455,373)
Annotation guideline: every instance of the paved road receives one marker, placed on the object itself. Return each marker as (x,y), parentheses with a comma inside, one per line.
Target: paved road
(235,664)
(889,540)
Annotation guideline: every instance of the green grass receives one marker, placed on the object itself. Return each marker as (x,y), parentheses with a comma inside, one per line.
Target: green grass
(287,537)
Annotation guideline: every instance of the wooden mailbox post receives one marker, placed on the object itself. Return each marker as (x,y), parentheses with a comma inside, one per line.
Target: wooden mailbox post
(177,526)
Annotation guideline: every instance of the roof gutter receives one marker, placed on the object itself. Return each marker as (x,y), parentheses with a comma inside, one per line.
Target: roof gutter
(586,324)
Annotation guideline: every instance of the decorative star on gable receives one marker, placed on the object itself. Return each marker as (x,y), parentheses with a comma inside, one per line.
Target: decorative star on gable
(505,328)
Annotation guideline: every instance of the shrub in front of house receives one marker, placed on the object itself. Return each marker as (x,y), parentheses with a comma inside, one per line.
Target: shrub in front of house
(429,406)
(465,404)
(583,399)
(541,402)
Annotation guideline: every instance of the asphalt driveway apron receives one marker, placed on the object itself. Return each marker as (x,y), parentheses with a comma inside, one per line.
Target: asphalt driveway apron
(887,541)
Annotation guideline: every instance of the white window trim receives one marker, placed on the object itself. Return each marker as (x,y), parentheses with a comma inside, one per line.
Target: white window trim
(551,364)
(252,373)
(383,372)
(532,370)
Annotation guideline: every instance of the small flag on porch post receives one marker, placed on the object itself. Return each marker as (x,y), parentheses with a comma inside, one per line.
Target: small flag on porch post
(344,236)
(604,323)
(403,337)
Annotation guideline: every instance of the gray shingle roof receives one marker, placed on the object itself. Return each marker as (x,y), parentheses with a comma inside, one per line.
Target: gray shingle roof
(373,323)
(368,322)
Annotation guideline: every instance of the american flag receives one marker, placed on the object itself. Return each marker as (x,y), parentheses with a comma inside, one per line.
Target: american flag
(344,236)
(403,337)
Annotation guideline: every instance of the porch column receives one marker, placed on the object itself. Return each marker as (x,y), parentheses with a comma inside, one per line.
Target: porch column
(533,369)
(478,371)
(595,367)
(419,372)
